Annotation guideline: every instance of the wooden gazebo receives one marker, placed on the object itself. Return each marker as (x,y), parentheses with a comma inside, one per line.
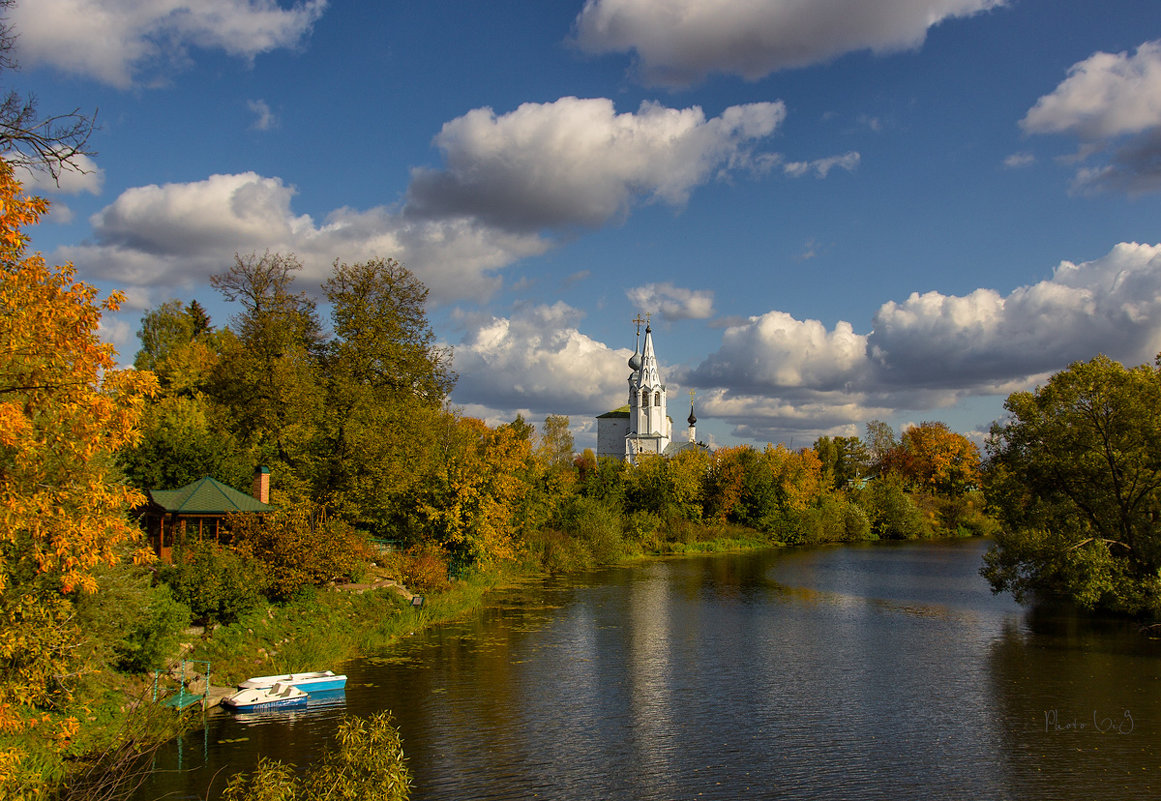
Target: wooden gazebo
(195,510)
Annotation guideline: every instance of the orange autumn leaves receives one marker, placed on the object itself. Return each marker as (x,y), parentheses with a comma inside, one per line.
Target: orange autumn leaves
(63,408)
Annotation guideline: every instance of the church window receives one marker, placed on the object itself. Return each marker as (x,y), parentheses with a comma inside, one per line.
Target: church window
(657,399)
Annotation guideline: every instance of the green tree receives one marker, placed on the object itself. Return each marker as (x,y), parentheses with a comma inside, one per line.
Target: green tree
(185,433)
(267,380)
(379,313)
(385,382)
(182,439)
(1075,475)
(845,460)
(892,512)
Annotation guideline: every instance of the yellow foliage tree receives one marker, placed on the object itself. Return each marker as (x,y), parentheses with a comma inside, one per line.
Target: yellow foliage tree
(799,474)
(471,505)
(64,409)
(940,460)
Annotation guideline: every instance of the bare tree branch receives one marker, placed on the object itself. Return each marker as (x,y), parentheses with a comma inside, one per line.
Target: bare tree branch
(27,140)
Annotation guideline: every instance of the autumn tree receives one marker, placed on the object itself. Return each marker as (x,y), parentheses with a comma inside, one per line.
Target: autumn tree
(939,460)
(556,442)
(470,503)
(64,408)
(1075,475)
(724,483)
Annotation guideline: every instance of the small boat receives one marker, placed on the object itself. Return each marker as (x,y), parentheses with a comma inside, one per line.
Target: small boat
(277,695)
(310,682)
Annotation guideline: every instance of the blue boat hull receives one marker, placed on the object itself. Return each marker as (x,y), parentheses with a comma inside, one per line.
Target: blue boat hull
(321,685)
(280,703)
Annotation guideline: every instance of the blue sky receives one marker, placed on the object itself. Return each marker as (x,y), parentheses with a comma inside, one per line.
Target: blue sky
(834,210)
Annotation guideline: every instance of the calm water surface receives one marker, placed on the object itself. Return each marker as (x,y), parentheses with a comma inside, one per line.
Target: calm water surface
(855,672)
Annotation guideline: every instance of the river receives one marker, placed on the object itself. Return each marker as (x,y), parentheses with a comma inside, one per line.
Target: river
(884,671)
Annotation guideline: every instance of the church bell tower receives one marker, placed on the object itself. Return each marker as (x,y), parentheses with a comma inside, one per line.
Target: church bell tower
(649,424)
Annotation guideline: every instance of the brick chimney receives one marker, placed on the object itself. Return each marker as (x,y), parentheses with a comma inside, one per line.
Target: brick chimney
(261,489)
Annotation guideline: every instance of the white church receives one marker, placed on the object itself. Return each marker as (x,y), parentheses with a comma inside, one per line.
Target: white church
(643,426)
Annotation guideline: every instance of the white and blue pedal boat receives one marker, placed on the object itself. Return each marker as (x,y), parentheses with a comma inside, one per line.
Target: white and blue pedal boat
(312,681)
(275,696)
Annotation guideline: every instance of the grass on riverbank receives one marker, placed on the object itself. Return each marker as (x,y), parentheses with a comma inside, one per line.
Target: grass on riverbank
(328,626)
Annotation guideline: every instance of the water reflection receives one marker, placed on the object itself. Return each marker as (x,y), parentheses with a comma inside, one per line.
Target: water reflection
(1080,703)
(853,672)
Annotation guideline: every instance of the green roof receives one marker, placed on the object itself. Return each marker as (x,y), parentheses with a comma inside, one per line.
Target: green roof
(206,497)
(622,412)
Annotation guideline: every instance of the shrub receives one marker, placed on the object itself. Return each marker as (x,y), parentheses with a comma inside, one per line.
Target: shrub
(594,526)
(893,513)
(424,568)
(644,529)
(299,549)
(368,766)
(856,523)
(151,636)
(132,624)
(216,583)
(556,552)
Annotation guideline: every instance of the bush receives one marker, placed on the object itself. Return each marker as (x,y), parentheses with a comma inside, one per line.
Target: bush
(594,527)
(856,523)
(556,552)
(893,513)
(424,568)
(298,549)
(152,636)
(368,766)
(645,530)
(134,625)
(217,584)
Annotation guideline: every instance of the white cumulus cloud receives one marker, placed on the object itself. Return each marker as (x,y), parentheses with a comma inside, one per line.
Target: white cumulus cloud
(774,351)
(538,360)
(672,302)
(179,234)
(118,42)
(1106,95)
(774,375)
(1111,102)
(681,42)
(577,162)
(1110,305)
(511,184)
